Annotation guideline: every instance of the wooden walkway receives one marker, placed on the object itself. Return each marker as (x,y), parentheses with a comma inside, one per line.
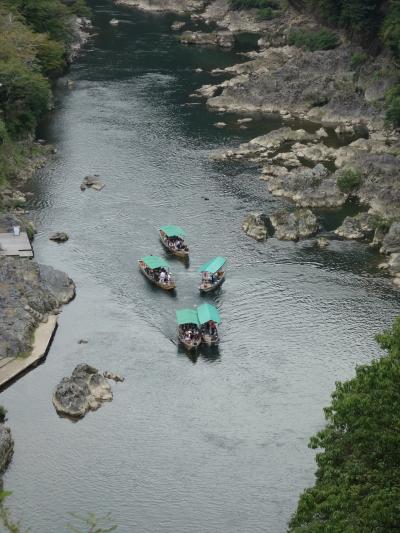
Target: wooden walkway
(15,246)
(12,367)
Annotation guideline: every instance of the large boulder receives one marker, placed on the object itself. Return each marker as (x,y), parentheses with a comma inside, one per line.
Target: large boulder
(255,226)
(357,228)
(86,389)
(295,225)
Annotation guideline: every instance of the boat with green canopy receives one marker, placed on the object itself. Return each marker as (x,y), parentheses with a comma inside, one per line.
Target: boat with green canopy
(157,270)
(213,274)
(209,319)
(172,237)
(188,328)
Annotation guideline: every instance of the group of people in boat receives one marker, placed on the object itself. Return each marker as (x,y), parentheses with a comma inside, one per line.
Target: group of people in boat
(176,244)
(190,333)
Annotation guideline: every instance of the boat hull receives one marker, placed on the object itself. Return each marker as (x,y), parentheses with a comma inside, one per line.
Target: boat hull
(189,345)
(209,288)
(165,286)
(210,340)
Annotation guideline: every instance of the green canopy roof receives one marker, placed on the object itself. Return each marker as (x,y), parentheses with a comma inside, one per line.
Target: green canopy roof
(173,231)
(187,316)
(154,261)
(213,265)
(207,312)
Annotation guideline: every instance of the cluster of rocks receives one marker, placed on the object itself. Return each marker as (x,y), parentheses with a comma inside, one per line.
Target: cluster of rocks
(224,39)
(174,6)
(29,292)
(85,390)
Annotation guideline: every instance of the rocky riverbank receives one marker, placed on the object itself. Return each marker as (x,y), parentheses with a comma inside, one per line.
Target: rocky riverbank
(29,292)
(327,89)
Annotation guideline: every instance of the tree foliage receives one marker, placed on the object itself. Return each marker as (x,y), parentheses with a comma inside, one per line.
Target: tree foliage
(357,486)
(34,38)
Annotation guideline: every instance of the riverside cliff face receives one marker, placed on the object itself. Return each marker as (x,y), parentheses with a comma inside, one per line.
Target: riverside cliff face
(321,87)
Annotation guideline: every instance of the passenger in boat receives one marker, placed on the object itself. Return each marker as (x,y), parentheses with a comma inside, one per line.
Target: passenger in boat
(162,276)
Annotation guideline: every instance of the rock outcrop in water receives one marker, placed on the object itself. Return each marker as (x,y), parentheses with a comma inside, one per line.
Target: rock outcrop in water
(28,292)
(295,225)
(175,6)
(255,226)
(85,390)
(224,39)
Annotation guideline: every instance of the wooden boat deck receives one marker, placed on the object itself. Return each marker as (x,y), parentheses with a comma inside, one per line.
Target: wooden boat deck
(11,245)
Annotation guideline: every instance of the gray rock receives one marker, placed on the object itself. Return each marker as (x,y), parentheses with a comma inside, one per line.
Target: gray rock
(220,125)
(92,182)
(255,226)
(28,292)
(178,25)
(306,187)
(59,236)
(6,447)
(86,389)
(113,376)
(391,242)
(223,39)
(356,228)
(322,242)
(175,6)
(295,225)
(394,264)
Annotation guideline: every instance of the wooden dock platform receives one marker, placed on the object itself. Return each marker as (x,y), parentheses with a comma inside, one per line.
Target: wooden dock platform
(13,245)
(12,367)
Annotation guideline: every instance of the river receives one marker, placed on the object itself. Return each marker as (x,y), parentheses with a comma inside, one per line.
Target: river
(213,445)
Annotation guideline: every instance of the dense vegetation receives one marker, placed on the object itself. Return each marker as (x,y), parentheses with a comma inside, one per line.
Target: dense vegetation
(322,39)
(358,478)
(365,20)
(34,36)
(267,9)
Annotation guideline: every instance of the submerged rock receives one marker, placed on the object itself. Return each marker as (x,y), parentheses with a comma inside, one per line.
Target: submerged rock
(85,390)
(59,236)
(295,225)
(255,226)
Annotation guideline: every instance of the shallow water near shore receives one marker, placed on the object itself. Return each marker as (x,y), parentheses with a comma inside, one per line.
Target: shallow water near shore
(214,444)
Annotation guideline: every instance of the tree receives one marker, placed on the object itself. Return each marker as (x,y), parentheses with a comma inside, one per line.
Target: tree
(357,486)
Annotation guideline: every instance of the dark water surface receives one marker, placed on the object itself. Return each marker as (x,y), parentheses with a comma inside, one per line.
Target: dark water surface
(213,446)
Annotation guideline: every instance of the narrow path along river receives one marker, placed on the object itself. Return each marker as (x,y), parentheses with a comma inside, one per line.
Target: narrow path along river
(213,446)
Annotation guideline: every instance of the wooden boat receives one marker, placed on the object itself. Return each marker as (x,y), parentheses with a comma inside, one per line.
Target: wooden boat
(172,238)
(209,319)
(153,267)
(114,22)
(188,328)
(213,274)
